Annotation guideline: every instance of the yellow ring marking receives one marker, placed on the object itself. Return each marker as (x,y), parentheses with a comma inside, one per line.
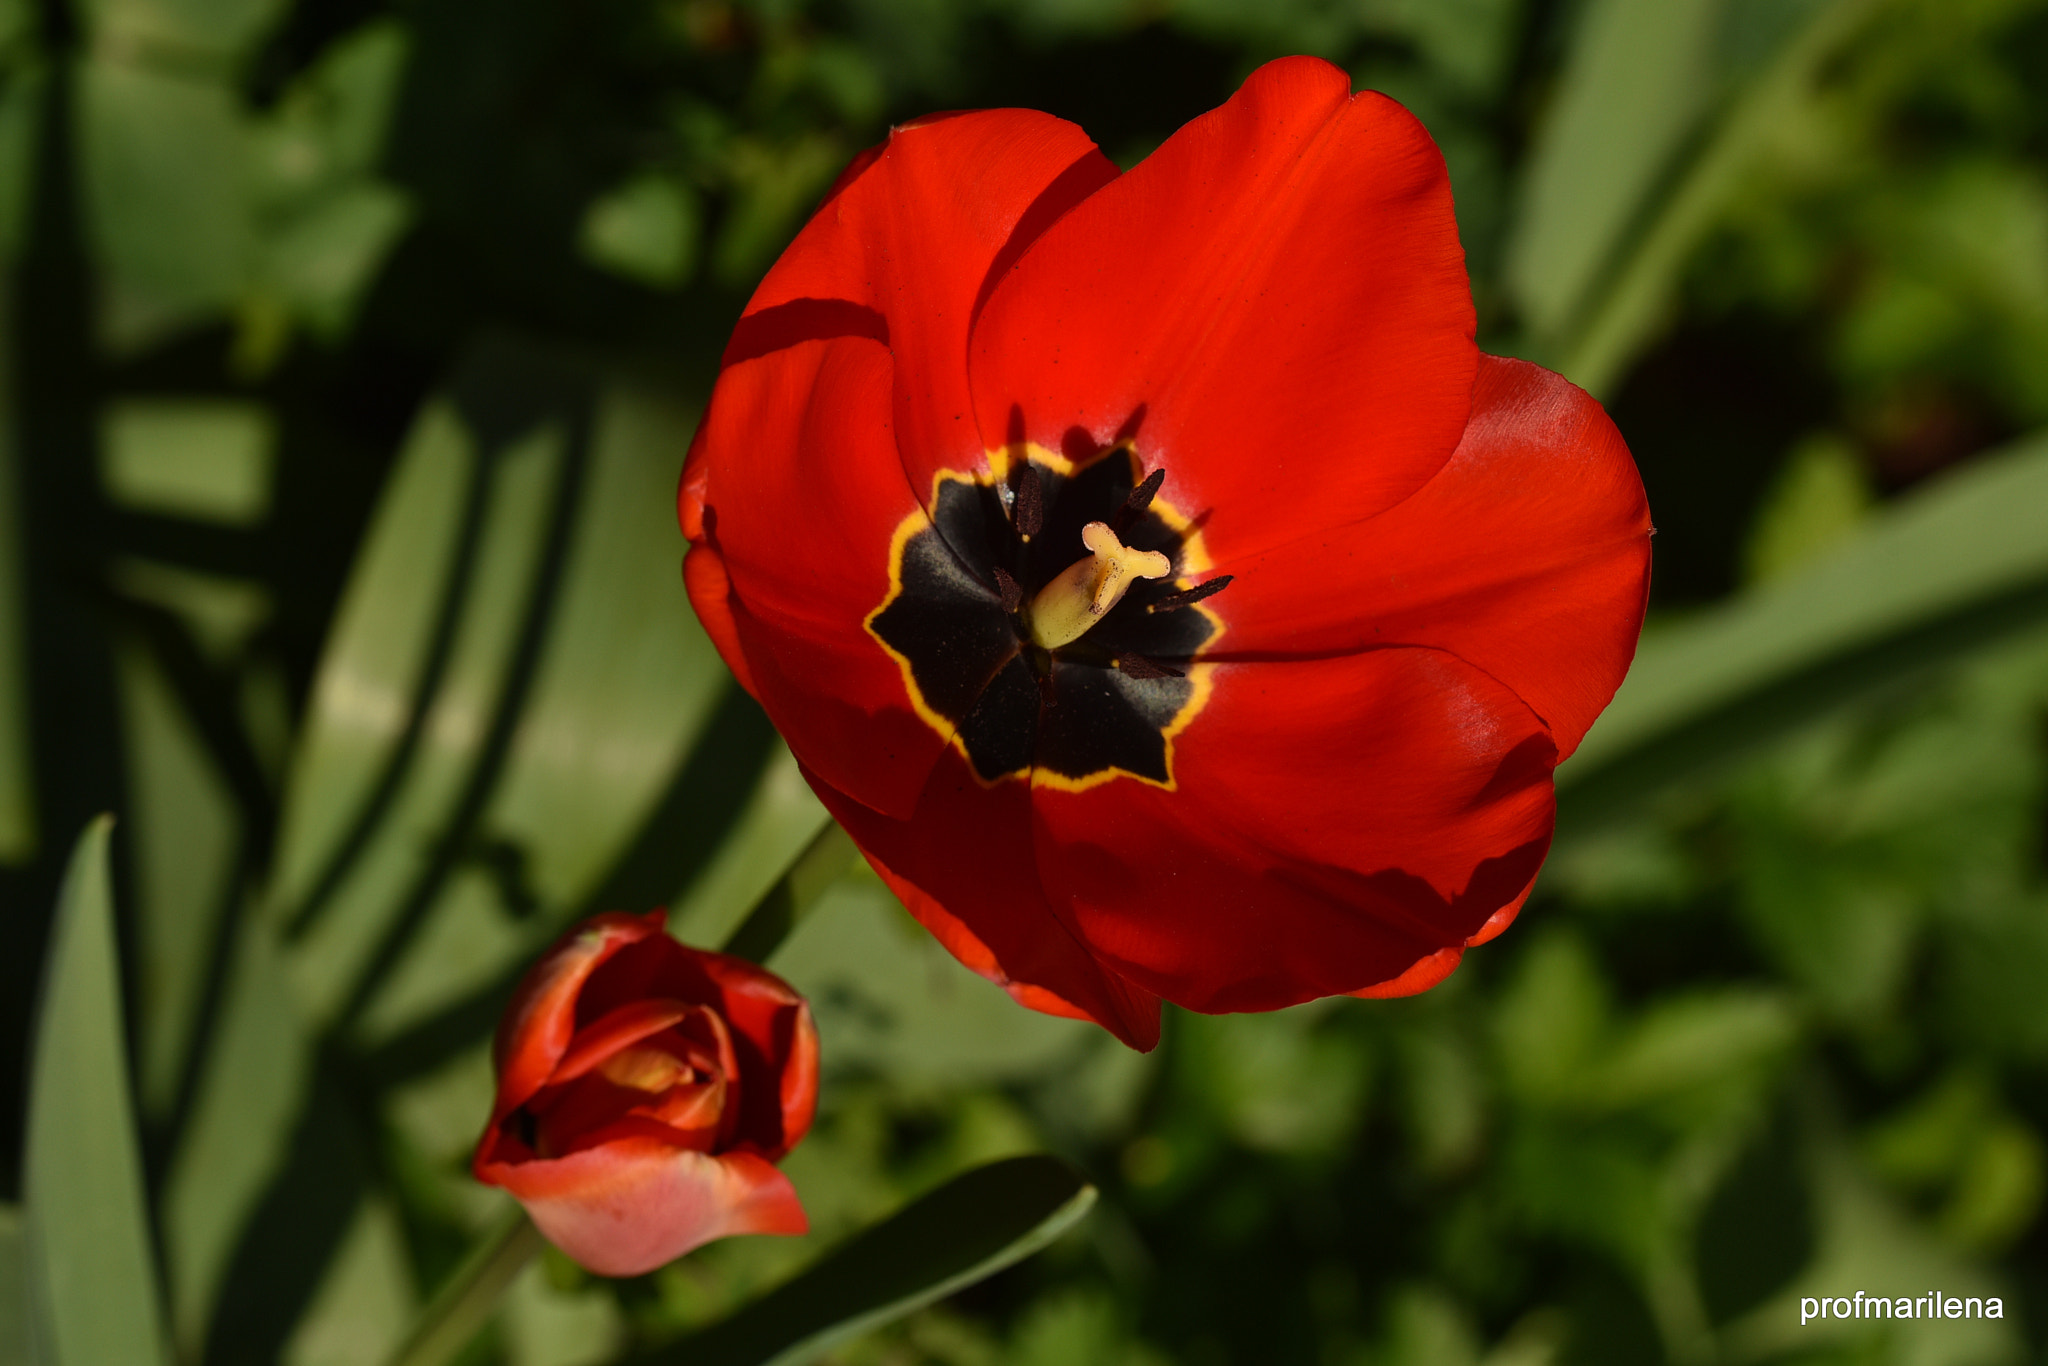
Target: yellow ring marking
(1194,560)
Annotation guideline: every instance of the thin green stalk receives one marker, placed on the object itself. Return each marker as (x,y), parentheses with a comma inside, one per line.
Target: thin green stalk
(458,1311)
(1613,326)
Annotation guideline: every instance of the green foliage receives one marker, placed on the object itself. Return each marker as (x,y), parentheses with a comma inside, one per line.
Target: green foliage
(962,1232)
(85,1247)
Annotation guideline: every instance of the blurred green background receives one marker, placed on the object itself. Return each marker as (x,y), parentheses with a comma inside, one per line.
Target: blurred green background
(350,353)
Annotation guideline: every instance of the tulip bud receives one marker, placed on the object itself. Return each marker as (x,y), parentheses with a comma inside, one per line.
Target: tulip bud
(645,1092)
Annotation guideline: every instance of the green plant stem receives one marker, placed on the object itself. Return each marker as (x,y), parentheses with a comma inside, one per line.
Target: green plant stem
(1614,325)
(459,1309)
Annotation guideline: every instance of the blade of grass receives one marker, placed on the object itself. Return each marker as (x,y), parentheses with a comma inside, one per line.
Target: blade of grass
(1630,299)
(14,1340)
(1957,566)
(464,1304)
(824,860)
(92,1275)
(964,1232)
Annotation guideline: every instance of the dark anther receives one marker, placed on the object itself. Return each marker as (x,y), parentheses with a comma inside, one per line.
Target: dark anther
(1140,499)
(1137,666)
(1012,594)
(1030,505)
(1187,597)
(1046,695)
(1142,496)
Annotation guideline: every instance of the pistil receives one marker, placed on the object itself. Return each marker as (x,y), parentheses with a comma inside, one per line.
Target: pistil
(1066,607)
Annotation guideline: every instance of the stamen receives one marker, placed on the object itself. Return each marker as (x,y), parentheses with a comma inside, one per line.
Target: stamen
(1065,608)
(1137,666)
(1188,597)
(1142,496)
(1140,499)
(1030,514)
(1012,593)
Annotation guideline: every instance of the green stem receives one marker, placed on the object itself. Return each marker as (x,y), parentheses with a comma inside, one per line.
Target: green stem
(459,1309)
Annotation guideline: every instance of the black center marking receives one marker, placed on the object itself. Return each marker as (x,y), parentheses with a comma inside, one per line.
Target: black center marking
(954,619)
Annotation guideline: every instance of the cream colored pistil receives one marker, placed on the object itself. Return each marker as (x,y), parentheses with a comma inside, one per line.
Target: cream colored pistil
(1081,596)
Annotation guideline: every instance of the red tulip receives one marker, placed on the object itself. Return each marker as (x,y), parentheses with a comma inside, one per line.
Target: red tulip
(645,1091)
(1095,779)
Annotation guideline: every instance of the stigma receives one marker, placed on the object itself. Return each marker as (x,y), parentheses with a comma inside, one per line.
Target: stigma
(1066,607)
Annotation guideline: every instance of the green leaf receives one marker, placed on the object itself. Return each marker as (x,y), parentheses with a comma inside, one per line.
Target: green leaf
(1650,137)
(780,821)
(414,695)
(821,864)
(627,682)
(1639,78)
(1756,1229)
(17,759)
(22,98)
(365,1298)
(462,1306)
(1864,1240)
(14,1340)
(894,1003)
(645,230)
(965,1231)
(92,1281)
(321,258)
(624,686)
(328,129)
(377,655)
(244,1124)
(184,837)
(165,162)
(1687,1046)
(207,459)
(1958,566)
(145,28)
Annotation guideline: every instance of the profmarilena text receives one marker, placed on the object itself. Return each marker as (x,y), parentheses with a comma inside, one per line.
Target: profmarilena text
(1933,1306)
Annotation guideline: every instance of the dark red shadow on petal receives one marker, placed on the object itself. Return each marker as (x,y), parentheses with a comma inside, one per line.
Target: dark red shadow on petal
(1529,762)
(963,864)
(802,320)
(1416,920)
(1495,882)
(1089,173)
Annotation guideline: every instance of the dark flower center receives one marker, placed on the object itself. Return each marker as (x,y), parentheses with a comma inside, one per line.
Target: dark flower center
(1044,622)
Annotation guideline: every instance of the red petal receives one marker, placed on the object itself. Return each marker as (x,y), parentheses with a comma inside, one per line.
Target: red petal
(800,499)
(540,1023)
(632,1205)
(710,590)
(1424,974)
(778,1046)
(1275,301)
(772,1045)
(704,573)
(616,1030)
(912,240)
(1528,556)
(1497,923)
(1335,821)
(963,864)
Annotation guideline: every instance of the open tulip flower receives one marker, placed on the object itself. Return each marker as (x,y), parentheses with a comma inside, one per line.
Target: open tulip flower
(645,1092)
(995,431)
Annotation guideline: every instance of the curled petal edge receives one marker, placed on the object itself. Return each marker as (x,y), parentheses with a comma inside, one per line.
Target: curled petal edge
(626,1207)
(1432,970)
(541,1021)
